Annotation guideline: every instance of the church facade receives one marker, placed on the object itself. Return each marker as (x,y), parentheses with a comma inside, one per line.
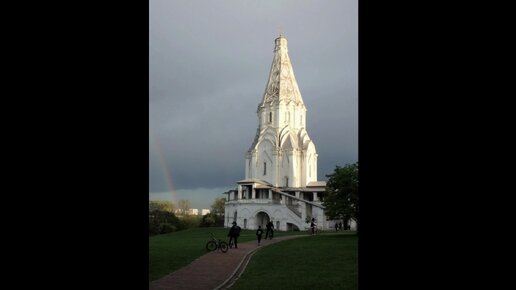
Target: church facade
(280,182)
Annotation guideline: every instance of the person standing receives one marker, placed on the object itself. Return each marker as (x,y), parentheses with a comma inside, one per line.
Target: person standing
(270,230)
(312,225)
(233,234)
(259,233)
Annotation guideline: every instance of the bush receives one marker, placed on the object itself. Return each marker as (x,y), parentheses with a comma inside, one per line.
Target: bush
(164,222)
(191,221)
(166,228)
(153,229)
(207,220)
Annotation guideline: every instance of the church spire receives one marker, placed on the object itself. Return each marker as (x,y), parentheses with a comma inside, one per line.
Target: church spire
(282,84)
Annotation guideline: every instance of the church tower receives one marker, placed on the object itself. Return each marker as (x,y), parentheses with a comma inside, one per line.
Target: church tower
(280,184)
(282,153)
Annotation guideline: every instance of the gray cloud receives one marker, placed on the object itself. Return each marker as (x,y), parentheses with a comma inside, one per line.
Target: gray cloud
(209,64)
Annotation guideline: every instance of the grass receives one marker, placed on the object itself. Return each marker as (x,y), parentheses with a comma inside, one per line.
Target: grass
(313,262)
(170,252)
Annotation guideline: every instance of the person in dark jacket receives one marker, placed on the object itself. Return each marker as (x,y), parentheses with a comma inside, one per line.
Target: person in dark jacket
(259,233)
(313,226)
(233,234)
(270,230)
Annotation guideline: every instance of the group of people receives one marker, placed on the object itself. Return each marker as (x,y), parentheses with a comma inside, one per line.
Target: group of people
(338,227)
(234,233)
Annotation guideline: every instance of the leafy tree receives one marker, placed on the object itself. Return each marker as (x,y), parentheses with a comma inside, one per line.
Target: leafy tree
(216,216)
(162,205)
(184,206)
(191,221)
(208,220)
(161,222)
(218,206)
(341,200)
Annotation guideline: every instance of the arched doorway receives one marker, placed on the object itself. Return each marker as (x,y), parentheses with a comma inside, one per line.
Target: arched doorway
(292,227)
(262,218)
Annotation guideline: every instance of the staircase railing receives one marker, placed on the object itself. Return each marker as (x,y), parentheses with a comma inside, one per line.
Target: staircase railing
(294,209)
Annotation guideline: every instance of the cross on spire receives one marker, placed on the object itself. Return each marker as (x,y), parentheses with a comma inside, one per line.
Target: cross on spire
(280,30)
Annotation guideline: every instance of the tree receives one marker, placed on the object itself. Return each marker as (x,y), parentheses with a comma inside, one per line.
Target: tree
(218,211)
(184,206)
(341,200)
(162,222)
(218,206)
(161,205)
(207,220)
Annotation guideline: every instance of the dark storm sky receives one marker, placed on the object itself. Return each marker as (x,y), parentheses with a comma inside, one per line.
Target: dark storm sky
(209,64)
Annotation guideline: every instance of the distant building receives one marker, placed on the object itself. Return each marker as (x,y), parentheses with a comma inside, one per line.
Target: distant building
(193,211)
(280,182)
(205,211)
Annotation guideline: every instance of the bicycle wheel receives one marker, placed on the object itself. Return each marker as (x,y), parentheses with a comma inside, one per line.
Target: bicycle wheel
(223,246)
(211,246)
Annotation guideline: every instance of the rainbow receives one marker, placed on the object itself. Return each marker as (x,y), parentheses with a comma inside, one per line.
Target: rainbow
(162,160)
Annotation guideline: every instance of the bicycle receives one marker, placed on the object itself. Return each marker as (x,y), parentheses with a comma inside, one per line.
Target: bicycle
(216,244)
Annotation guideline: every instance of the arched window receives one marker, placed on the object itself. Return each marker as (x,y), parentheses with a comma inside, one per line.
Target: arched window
(264,168)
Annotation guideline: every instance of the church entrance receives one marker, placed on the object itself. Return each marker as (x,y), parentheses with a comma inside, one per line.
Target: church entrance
(262,219)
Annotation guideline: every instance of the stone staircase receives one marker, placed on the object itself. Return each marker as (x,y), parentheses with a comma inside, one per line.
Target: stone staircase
(294,209)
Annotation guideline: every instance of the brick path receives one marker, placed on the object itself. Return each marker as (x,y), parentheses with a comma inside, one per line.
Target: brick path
(213,270)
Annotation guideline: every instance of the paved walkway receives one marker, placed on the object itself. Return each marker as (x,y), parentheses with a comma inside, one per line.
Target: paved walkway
(213,270)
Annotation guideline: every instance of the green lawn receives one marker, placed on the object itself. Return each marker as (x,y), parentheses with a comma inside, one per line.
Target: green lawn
(170,252)
(313,262)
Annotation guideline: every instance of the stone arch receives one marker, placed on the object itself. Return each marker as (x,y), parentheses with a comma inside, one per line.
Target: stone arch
(292,227)
(245,213)
(262,218)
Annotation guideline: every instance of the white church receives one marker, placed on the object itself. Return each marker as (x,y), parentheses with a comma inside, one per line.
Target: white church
(280,182)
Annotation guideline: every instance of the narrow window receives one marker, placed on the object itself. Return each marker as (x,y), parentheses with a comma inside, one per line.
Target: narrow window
(286,181)
(270,117)
(264,168)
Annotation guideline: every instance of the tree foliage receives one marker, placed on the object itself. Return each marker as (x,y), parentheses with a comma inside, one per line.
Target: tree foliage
(216,217)
(218,206)
(341,200)
(184,206)
(208,220)
(162,222)
(161,205)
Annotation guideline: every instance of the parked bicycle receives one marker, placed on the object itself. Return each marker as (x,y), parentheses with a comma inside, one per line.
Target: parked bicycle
(216,244)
